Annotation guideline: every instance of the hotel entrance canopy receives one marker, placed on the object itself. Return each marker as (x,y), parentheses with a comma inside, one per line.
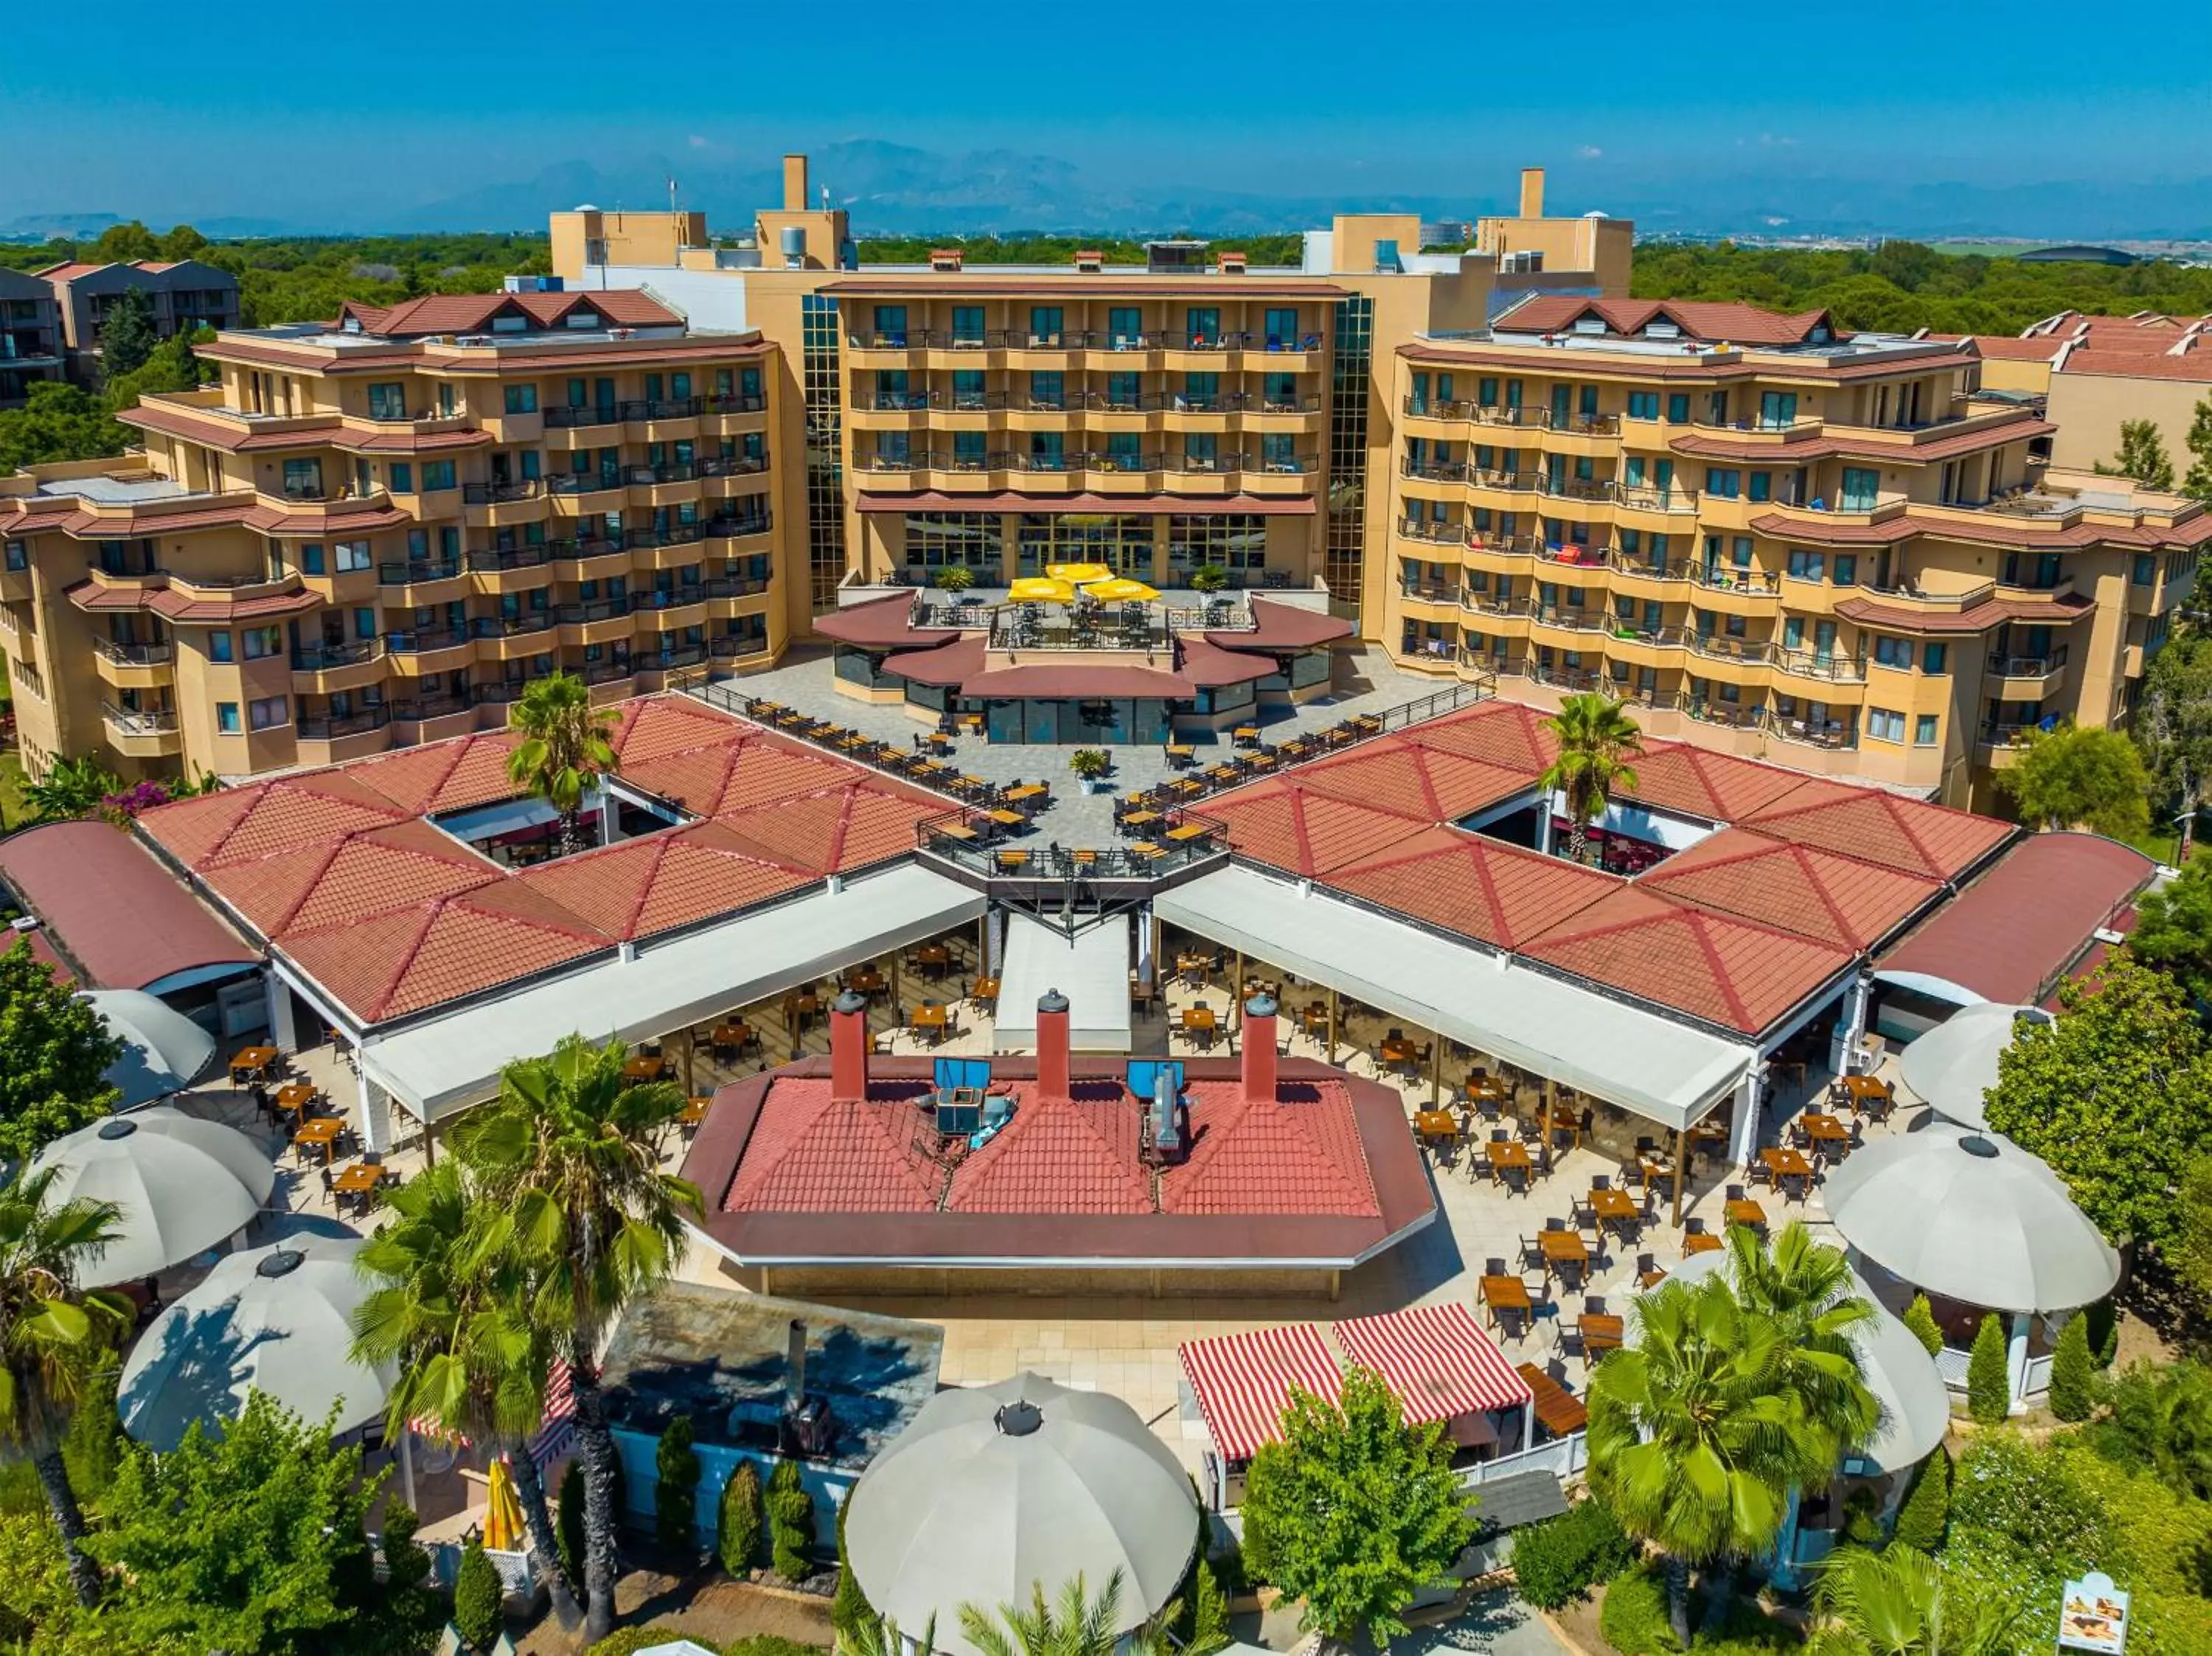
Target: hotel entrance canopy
(1665,1070)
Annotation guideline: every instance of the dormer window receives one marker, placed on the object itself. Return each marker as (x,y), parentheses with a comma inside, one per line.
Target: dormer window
(510,324)
(1820,334)
(1663,330)
(352,324)
(583,318)
(1590,324)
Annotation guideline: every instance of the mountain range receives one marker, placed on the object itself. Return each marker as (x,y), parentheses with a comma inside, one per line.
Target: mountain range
(897,189)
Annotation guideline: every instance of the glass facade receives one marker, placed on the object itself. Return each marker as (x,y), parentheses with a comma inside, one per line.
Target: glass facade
(824,400)
(1345,550)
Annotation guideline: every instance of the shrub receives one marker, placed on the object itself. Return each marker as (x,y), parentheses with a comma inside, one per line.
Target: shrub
(851,1606)
(405,1564)
(676,1494)
(768,1644)
(628,1641)
(1920,1318)
(1209,1614)
(476,1610)
(1989,1381)
(2073,1373)
(1926,1512)
(1633,1619)
(2103,1331)
(1556,1561)
(1863,1518)
(953,577)
(568,1524)
(739,1527)
(790,1522)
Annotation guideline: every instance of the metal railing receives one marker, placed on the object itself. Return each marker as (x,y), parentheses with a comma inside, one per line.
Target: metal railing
(943,837)
(2005,666)
(489,560)
(433,707)
(420,641)
(1089,460)
(331,729)
(535,621)
(523,488)
(130,722)
(134,655)
(322,658)
(396,573)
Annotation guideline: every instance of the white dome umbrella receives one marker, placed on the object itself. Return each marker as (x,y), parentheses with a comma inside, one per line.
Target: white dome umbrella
(1971,1216)
(183,1185)
(1916,1410)
(995,1490)
(164,1051)
(277,1319)
(1954,1065)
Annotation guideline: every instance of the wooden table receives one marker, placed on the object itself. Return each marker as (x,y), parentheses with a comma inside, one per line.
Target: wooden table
(1005,818)
(694,1111)
(1315,1020)
(361,1178)
(1507,1155)
(1189,832)
(1432,1124)
(324,1130)
(644,1067)
(1747,1212)
(1600,1334)
(1181,750)
(1199,1017)
(931,1017)
(296,1096)
(1488,1090)
(251,1061)
(1784,1162)
(1505,1294)
(1261,761)
(959,831)
(1013,857)
(1193,966)
(1245,735)
(985,990)
(1612,1206)
(1867,1090)
(1397,1052)
(932,953)
(732,1032)
(868,981)
(1027,791)
(1564,1248)
(1702,1242)
(1559,1411)
(1823,1129)
(1138,819)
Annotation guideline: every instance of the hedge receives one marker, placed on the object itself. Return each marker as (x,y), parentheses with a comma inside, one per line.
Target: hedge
(1558,1561)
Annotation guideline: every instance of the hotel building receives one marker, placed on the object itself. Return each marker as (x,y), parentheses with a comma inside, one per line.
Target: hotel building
(1779,539)
(371,532)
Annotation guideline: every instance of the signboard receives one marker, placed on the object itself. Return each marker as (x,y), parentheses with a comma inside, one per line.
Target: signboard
(2093,1616)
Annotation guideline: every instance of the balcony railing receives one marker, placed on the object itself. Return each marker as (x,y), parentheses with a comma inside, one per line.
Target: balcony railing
(331,729)
(681,597)
(578,615)
(1433,532)
(1833,666)
(737,528)
(1089,460)
(584,482)
(734,402)
(134,655)
(2005,666)
(322,658)
(522,626)
(1718,579)
(524,488)
(731,465)
(1719,647)
(429,707)
(1513,482)
(487,559)
(420,641)
(396,573)
(607,672)
(133,723)
(1646,497)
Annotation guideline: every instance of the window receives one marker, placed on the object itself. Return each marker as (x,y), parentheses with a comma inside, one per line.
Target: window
(1046,324)
(891,325)
(303,479)
(1123,390)
(1048,389)
(1778,410)
(1932,658)
(401,476)
(263,641)
(521,399)
(967,324)
(19,555)
(269,712)
(1893,653)
(1678,408)
(1125,326)
(1724,483)
(226,718)
(1644,405)
(437,474)
(1845,570)
(1282,328)
(1807,565)
(311,558)
(1861,484)
(1761,486)
(1884,726)
(388,401)
(1485,392)
(1203,324)
(1924,730)
(218,646)
(2145,570)
(935,539)
(350,556)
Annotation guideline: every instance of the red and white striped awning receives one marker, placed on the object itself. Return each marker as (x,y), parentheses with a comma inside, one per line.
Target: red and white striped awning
(1436,1359)
(555,1431)
(1242,1382)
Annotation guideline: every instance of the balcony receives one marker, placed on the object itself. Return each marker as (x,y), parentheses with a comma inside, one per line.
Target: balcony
(735,403)
(573,417)
(1642,497)
(731,529)
(492,561)
(421,710)
(2024,678)
(426,641)
(1826,665)
(134,666)
(322,668)
(733,465)
(1432,533)
(527,488)
(1433,471)
(511,627)
(142,735)
(398,573)
(351,724)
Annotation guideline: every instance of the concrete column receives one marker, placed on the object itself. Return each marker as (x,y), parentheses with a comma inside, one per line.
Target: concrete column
(283,1034)
(372,1117)
(1544,824)
(1851,1023)
(2016,1358)
(1749,1103)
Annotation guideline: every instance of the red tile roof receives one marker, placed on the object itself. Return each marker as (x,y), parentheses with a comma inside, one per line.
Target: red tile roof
(1505,733)
(1059,1155)
(641,887)
(1284,823)
(1412,778)
(334,882)
(1881,827)
(1497,893)
(1298,1152)
(1698,319)
(813,1154)
(110,909)
(1698,782)
(457,313)
(1833,899)
(1737,974)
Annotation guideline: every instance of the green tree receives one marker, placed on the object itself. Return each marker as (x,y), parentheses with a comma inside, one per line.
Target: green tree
(2198,481)
(2174,928)
(2161,1421)
(737,1535)
(58,422)
(56,1340)
(1596,741)
(452,1308)
(478,1611)
(1699,1433)
(180,241)
(878,1635)
(1898,1603)
(54,1053)
(851,1603)
(2191,1253)
(676,1487)
(2141,456)
(1989,1380)
(1920,1318)
(2116,1095)
(1354,1511)
(790,1522)
(1077,1625)
(1209,579)
(252,1542)
(127,338)
(406,1566)
(2173,724)
(124,243)
(1209,1624)
(2078,776)
(565,747)
(568,1150)
(1927,1507)
(70,788)
(1808,1289)
(2073,1373)
(173,366)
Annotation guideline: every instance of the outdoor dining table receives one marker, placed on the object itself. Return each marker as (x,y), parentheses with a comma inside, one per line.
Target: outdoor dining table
(731,1033)
(1564,1248)
(1245,735)
(323,1130)
(646,1066)
(250,1061)
(1702,1241)
(360,1177)
(1027,791)
(984,991)
(868,981)
(1560,1411)
(932,953)
(1005,818)
(1261,761)
(1485,1089)
(694,1111)
(1600,1334)
(1824,1129)
(930,1017)
(296,1096)
(1614,1206)
(1868,1092)
(1315,1019)
(1139,819)
(1783,1163)
(1434,1126)
(959,831)
(1194,966)
(1189,832)
(1504,1294)
(1396,1052)
(1508,1155)
(1744,1211)
(1013,858)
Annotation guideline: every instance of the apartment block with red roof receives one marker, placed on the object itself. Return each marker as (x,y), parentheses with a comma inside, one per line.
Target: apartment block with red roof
(186,294)
(1779,539)
(373,531)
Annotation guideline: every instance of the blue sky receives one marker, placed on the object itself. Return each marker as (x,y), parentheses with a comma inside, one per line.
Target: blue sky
(402,102)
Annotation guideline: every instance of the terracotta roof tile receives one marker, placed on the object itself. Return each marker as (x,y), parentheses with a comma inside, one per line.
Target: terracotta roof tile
(332,882)
(1717,786)
(836,830)
(1881,827)
(1736,973)
(656,727)
(643,887)
(1504,733)
(812,1154)
(1283,823)
(1414,779)
(238,824)
(1059,1155)
(1497,893)
(1837,900)
(1702,319)
(1297,1153)
(455,776)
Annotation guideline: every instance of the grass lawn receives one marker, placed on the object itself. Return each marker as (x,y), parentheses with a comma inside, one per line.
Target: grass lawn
(13,811)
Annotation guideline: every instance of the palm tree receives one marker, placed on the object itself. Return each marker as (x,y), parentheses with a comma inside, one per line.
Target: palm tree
(54,1338)
(1896,1603)
(565,746)
(1699,1433)
(452,1310)
(1807,1288)
(878,1635)
(1596,740)
(568,1147)
(1079,1625)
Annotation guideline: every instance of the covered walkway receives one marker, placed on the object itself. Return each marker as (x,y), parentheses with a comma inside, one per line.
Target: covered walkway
(1091,969)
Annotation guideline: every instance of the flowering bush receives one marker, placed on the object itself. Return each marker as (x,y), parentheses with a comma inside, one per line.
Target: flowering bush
(120,808)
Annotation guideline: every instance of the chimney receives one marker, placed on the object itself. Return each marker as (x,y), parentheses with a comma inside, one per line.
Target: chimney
(848,1046)
(795,184)
(1230,264)
(946,260)
(1089,260)
(1052,1045)
(1259,1037)
(794,1364)
(1532,191)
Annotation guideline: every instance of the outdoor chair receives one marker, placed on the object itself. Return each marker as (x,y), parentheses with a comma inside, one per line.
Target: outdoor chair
(1647,1270)
(1734,1193)
(1494,1266)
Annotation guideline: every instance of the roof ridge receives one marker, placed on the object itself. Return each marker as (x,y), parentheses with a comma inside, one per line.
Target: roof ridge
(398,974)
(1723,979)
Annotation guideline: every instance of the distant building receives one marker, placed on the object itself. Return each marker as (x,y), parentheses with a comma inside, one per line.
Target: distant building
(2091,373)
(2078,253)
(1448,233)
(30,336)
(186,294)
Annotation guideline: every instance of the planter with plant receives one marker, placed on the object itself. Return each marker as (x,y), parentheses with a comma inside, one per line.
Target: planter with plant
(1091,766)
(954,578)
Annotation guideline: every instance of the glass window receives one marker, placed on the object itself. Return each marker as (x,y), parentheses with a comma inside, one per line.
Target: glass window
(1893,653)
(1125,326)
(967,324)
(1761,486)
(219,646)
(269,712)
(934,539)
(891,325)
(1845,570)
(1045,325)
(1724,483)
(1282,328)
(226,718)
(520,399)
(437,474)
(968,391)
(351,556)
(1807,565)
(311,558)
(1678,407)
(263,641)
(1048,389)
(1924,730)
(1932,657)
(1861,484)
(401,476)
(388,401)
(303,479)
(1884,726)
(1203,324)
(1644,405)
(2145,570)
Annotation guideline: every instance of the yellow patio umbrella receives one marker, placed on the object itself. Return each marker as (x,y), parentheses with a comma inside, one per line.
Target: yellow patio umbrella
(1079,574)
(1120,589)
(503,1524)
(1032,589)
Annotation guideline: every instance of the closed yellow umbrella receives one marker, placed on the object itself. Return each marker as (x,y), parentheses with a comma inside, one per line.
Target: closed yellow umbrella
(502,1529)
(1031,588)
(1120,589)
(1079,574)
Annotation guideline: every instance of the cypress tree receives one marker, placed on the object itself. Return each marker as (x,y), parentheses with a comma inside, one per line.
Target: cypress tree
(2073,1373)
(1989,1382)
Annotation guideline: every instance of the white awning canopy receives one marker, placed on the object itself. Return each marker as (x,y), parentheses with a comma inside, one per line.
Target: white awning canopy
(1664,1070)
(1091,969)
(436,1067)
